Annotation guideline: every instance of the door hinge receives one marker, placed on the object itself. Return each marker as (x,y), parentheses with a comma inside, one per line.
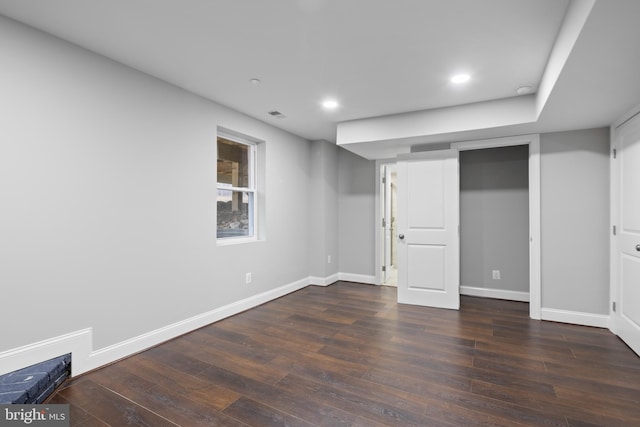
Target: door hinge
(384,268)
(613,306)
(615,153)
(384,222)
(384,179)
(614,230)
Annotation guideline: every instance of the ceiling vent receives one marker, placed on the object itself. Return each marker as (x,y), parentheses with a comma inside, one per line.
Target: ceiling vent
(278,114)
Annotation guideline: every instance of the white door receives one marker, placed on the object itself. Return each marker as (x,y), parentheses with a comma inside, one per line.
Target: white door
(627,243)
(428,241)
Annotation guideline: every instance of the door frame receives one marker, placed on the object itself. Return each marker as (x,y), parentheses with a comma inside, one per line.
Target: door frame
(535,268)
(386,206)
(379,230)
(614,215)
(385,199)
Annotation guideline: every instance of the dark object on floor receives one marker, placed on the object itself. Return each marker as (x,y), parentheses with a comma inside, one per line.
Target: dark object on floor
(34,384)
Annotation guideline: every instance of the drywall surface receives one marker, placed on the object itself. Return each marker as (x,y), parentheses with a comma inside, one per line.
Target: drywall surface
(323,209)
(494,218)
(481,115)
(356,216)
(108,200)
(574,169)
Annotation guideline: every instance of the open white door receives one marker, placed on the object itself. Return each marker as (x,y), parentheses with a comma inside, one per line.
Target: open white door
(428,240)
(626,247)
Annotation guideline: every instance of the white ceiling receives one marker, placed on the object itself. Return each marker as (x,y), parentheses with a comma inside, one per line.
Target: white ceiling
(376,57)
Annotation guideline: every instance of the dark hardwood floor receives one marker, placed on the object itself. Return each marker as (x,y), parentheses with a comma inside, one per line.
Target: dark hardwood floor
(348,355)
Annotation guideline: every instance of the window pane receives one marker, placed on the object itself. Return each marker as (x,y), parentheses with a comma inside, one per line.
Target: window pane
(235,214)
(233,163)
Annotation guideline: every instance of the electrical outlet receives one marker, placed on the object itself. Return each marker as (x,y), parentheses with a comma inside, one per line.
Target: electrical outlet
(495,274)
(328,259)
(247,278)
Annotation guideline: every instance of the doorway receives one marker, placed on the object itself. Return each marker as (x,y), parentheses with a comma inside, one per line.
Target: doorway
(494,223)
(533,143)
(388,210)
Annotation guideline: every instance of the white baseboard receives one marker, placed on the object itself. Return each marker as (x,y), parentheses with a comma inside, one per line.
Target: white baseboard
(79,343)
(575,317)
(494,293)
(324,281)
(360,278)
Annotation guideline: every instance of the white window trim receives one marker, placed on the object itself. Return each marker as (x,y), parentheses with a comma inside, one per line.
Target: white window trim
(253,187)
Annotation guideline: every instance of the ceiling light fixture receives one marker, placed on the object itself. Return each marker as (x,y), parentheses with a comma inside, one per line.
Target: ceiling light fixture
(255,81)
(460,78)
(330,104)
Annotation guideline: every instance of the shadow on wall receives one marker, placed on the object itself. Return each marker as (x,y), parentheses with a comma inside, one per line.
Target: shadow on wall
(358,174)
(503,168)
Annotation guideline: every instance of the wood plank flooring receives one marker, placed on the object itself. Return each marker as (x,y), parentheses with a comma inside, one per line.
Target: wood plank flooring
(348,355)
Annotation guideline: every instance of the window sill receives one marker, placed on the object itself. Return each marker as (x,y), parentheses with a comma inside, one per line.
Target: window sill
(235,241)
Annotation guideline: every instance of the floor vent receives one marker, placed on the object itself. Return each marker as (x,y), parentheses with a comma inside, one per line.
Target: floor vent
(34,384)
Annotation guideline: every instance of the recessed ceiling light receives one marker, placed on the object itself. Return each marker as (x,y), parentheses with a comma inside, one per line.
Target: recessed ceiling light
(330,104)
(524,90)
(255,81)
(460,78)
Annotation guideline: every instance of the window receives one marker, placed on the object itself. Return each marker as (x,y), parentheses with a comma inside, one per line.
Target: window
(236,186)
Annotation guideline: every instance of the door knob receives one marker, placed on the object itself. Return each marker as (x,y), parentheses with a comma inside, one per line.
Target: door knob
(638,248)
(401,237)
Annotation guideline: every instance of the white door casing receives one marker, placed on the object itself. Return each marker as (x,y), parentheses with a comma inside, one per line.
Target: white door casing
(626,242)
(535,269)
(428,235)
(387,222)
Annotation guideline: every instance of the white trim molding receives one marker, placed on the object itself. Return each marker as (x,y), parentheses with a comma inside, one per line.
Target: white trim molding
(324,281)
(535,236)
(80,343)
(575,317)
(506,141)
(378,230)
(476,291)
(359,278)
(535,267)
(77,343)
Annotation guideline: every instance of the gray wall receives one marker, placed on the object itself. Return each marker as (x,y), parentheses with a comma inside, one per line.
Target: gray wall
(323,209)
(494,218)
(356,216)
(108,202)
(575,220)
(108,198)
